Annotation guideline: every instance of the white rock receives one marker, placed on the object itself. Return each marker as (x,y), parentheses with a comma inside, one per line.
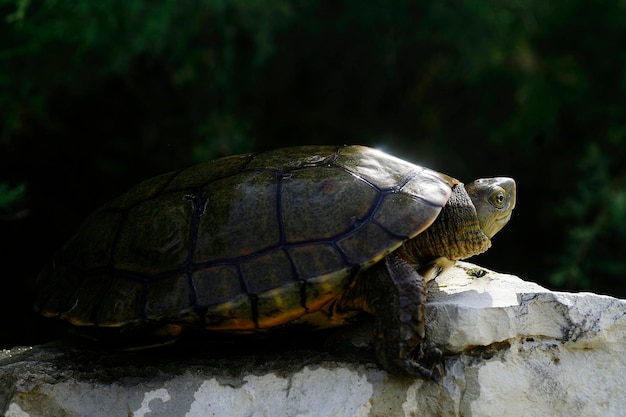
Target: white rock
(512,348)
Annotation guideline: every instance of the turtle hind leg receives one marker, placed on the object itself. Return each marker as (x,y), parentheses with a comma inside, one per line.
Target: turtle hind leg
(396,295)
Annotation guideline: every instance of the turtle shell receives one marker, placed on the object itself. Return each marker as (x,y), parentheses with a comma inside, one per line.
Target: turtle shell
(241,243)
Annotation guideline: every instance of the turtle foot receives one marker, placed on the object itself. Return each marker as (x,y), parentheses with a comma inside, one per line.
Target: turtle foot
(424,362)
(430,358)
(417,369)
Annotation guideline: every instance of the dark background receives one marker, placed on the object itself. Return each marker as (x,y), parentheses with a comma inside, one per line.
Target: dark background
(98,95)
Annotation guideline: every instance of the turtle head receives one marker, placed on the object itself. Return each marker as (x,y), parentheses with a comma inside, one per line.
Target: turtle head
(494,199)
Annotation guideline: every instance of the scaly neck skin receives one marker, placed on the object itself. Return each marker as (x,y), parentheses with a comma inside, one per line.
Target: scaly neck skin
(455,234)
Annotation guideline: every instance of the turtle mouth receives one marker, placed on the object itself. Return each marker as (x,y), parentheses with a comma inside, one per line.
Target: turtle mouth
(502,220)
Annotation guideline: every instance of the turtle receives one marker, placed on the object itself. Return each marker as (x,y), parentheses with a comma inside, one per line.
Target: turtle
(300,236)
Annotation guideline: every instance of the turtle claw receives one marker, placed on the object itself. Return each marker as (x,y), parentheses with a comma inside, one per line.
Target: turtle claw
(426,362)
(430,357)
(417,369)
(430,353)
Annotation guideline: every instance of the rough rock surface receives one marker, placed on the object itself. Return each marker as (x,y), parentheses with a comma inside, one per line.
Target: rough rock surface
(512,348)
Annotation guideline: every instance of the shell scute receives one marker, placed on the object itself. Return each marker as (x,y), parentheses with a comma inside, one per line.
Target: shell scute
(368,244)
(382,170)
(288,159)
(266,272)
(240,217)
(168,297)
(429,186)
(397,210)
(97,254)
(318,203)
(280,305)
(216,284)
(87,299)
(316,259)
(155,236)
(198,175)
(122,303)
(233,315)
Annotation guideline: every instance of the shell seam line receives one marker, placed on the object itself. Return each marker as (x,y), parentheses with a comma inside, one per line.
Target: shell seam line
(199,201)
(282,241)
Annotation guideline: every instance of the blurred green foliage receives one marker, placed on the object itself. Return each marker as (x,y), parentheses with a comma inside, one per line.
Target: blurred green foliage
(595,245)
(96,95)
(10,195)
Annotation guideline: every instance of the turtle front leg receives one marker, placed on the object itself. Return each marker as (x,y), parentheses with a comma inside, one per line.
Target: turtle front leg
(396,295)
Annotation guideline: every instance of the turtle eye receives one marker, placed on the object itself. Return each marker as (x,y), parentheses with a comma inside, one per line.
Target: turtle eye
(498,198)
